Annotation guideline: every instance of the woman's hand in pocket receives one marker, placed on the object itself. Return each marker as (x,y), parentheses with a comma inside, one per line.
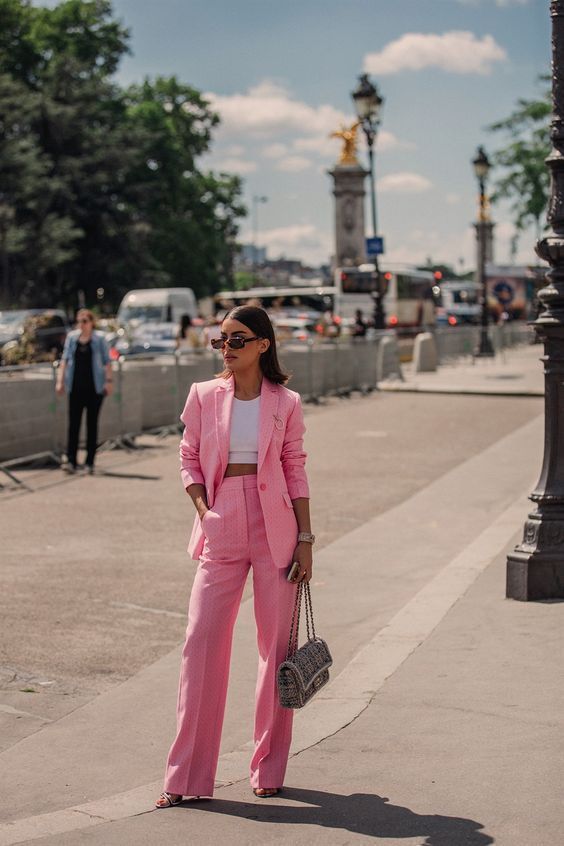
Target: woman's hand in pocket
(208,518)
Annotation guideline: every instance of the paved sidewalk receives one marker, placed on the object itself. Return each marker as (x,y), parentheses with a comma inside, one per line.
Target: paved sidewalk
(514,372)
(442,724)
(444,729)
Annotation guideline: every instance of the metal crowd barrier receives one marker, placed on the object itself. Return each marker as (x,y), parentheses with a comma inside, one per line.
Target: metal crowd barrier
(150,391)
(461,341)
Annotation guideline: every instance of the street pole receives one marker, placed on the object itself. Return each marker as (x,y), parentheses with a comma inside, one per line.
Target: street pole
(535,569)
(368,104)
(379,321)
(481,167)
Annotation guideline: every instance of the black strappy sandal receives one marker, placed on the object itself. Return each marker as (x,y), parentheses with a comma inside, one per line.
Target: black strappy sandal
(267,793)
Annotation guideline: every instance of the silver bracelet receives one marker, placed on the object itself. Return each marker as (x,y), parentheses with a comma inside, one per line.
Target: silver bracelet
(306,537)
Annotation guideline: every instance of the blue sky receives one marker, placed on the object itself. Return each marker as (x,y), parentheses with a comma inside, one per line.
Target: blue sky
(280,73)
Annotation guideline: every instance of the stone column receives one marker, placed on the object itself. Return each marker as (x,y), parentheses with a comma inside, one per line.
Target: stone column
(535,569)
(348,190)
(489,241)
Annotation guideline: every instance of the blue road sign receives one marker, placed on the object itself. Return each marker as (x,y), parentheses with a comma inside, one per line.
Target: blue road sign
(374,246)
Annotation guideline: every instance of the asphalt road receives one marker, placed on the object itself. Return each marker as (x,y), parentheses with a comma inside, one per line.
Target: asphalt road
(94,579)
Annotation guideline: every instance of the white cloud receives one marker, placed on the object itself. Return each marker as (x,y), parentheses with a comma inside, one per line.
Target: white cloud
(456,51)
(403,183)
(274,151)
(234,165)
(268,108)
(303,240)
(235,151)
(452,199)
(293,164)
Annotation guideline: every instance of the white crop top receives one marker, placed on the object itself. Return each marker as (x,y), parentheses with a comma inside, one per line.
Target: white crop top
(243,444)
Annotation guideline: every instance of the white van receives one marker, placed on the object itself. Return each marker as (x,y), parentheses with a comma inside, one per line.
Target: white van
(156,305)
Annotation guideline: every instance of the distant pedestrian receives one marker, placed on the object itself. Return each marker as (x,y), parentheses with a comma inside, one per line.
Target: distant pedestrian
(212,329)
(187,337)
(359,325)
(242,464)
(329,325)
(85,373)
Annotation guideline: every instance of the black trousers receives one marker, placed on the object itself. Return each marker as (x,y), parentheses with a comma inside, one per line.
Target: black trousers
(78,401)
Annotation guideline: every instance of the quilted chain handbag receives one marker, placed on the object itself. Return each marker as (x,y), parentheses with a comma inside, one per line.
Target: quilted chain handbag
(306,669)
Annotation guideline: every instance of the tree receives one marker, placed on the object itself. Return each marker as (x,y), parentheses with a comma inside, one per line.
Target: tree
(99,186)
(190,216)
(63,147)
(525,179)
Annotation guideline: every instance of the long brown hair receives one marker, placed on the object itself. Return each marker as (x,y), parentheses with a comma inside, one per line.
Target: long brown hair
(257,320)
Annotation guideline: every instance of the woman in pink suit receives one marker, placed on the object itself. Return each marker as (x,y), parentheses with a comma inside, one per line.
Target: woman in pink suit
(243,466)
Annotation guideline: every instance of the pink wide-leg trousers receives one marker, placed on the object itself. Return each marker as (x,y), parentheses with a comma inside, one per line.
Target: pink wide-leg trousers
(235,541)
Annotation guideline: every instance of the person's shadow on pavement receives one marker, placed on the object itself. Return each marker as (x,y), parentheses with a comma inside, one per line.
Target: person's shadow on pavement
(360,813)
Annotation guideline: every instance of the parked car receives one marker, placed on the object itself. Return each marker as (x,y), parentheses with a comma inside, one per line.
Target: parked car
(42,338)
(12,323)
(149,338)
(294,328)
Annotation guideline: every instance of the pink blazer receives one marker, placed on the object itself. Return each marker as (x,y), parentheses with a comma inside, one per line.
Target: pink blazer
(281,476)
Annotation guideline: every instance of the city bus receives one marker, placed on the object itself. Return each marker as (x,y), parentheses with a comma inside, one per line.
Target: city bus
(408,294)
(303,301)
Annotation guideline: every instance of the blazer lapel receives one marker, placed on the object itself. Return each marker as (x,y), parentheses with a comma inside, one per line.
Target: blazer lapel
(267,417)
(223,408)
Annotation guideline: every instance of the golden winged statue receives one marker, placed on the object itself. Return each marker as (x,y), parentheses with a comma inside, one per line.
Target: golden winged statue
(350,141)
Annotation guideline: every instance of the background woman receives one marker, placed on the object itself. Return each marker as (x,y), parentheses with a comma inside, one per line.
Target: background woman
(85,373)
(187,337)
(252,501)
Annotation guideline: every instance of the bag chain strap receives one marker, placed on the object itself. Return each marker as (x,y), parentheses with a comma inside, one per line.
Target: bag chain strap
(302,589)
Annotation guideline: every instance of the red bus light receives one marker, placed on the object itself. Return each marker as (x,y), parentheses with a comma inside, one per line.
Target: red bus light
(393,321)
(452,320)
(387,276)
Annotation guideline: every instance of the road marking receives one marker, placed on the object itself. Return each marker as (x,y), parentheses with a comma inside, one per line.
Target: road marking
(336,706)
(371,433)
(132,607)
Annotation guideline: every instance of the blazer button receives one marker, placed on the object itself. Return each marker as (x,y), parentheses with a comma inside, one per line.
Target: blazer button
(262,486)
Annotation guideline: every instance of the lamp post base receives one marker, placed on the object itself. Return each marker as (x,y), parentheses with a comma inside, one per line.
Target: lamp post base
(484,348)
(533,576)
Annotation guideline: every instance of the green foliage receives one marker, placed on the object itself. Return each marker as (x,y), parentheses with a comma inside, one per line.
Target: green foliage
(525,179)
(244,280)
(100,186)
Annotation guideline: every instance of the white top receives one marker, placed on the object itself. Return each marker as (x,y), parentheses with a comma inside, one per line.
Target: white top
(243,444)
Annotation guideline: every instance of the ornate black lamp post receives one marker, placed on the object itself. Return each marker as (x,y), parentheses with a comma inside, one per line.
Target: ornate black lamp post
(535,569)
(368,103)
(481,169)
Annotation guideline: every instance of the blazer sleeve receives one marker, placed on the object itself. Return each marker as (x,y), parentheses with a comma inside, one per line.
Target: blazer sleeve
(66,349)
(104,350)
(293,457)
(190,468)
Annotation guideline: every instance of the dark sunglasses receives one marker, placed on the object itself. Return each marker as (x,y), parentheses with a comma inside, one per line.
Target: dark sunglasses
(232,343)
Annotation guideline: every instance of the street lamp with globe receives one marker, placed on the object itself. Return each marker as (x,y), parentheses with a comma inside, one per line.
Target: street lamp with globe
(368,104)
